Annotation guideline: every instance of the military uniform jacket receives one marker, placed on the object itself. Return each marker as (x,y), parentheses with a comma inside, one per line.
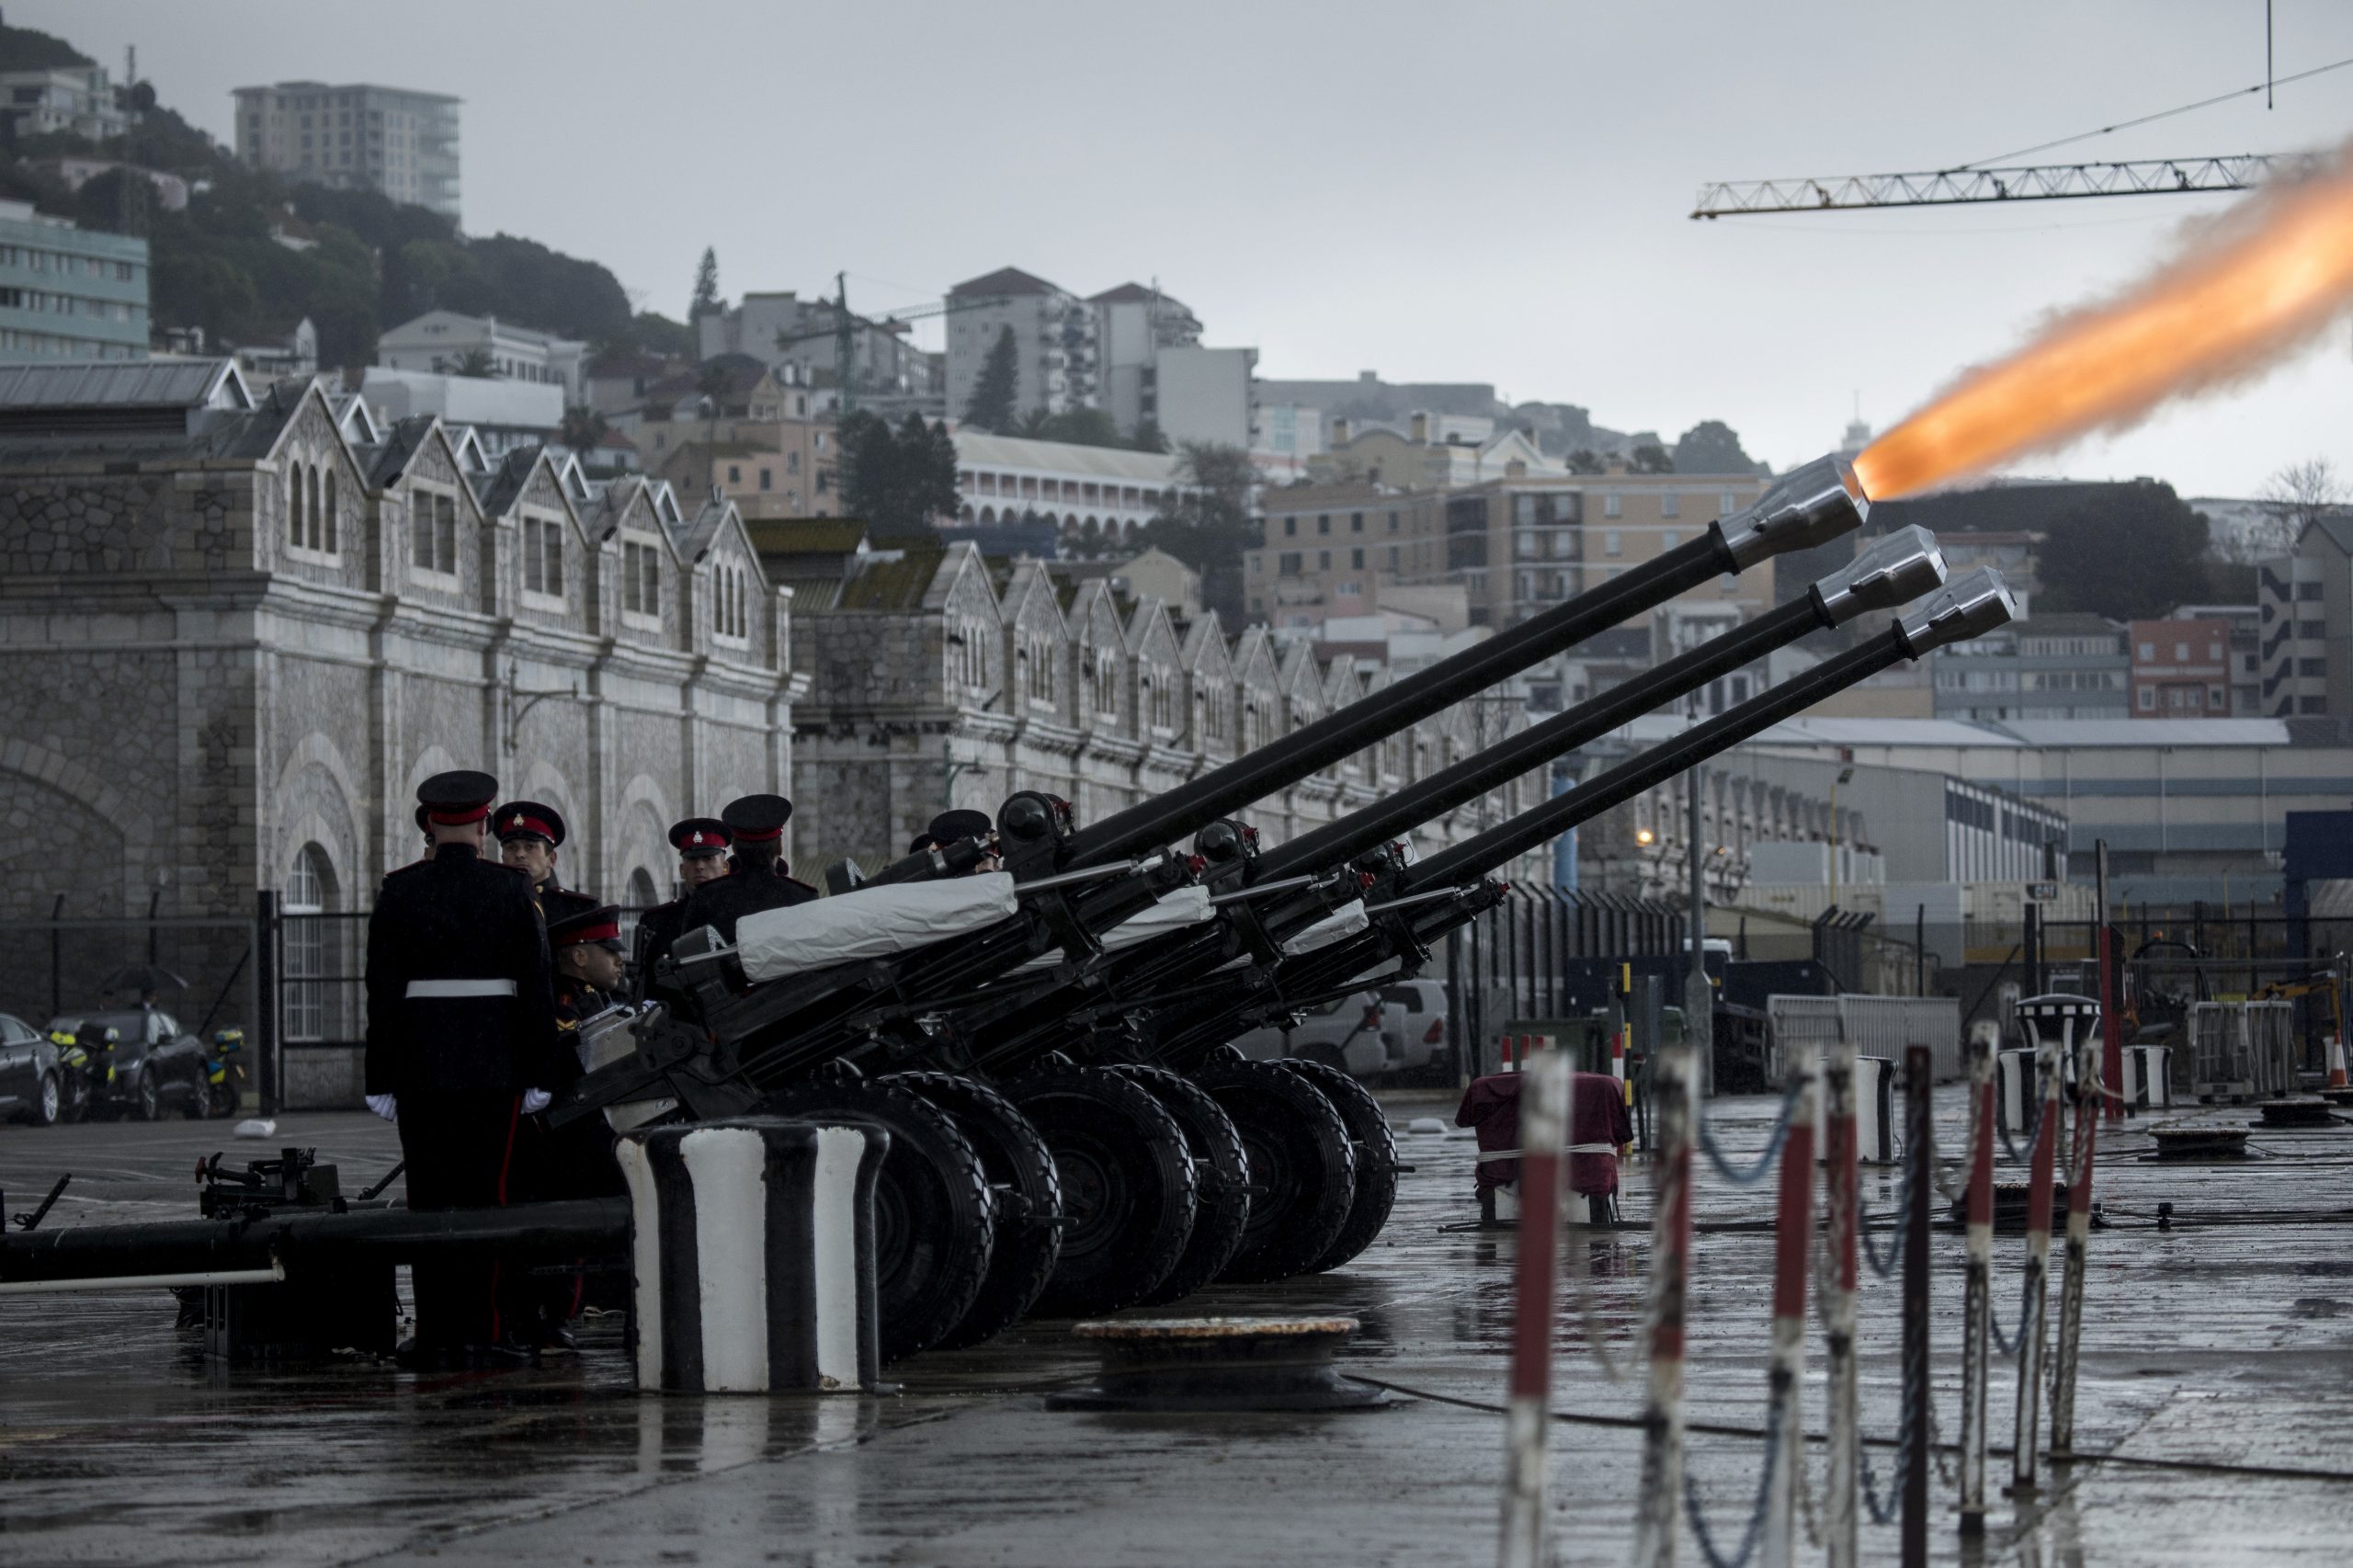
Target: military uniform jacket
(575,1002)
(460,989)
(556,901)
(656,929)
(744,890)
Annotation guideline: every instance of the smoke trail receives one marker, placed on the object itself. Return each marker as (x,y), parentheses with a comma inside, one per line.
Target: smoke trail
(2243,293)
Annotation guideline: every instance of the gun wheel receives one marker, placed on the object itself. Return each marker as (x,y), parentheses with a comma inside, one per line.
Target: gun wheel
(1376,1151)
(935,1216)
(1221,1170)
(1303,1168)
(1128,1187)
(1029,1202)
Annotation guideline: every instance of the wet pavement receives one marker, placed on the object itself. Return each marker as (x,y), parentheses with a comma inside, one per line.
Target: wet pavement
(2213,1352)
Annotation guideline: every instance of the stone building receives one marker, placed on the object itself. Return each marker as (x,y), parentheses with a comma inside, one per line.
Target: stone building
(936,680)
(237,629)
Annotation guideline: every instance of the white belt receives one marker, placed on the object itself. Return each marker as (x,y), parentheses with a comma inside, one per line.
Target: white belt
(445,989)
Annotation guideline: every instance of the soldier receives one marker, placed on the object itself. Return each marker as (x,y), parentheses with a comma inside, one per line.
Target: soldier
(701,843)
(461,1043)
(576,1161)
(757,875)
(964,823)
(530,835)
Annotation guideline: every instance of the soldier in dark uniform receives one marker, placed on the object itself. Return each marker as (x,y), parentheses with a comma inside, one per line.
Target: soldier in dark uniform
(949,826)
(461,1043)
(757,875)
(577,1160)
(528,835)
(701,843)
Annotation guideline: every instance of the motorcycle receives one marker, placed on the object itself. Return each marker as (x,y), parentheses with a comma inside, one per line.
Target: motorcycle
(82,1064)
(220,1089)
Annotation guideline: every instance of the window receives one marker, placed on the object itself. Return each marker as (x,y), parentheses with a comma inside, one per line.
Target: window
(2311,667)
(1323,523)
(734,474)
(2312,705)
(2308,590)
(316,536)
(641,580)
(444,534)
(2311,629)
(309,997)
(1727,503)
(2213,650)
(1670,505)
(2148,698)
(1291,527)
(1669,540)
(2214,696)
(1322,561)
(1355,559)
(1286,563)
(768,479)
(2148,651)
(1393,558)
(2181,653)
(331,542)
(1392,522)
(1612,543)
(1613,506)
(792,462)
(294,526)
(1356,522)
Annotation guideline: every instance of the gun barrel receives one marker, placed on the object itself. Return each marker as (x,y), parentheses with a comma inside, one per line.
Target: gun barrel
(1816,502)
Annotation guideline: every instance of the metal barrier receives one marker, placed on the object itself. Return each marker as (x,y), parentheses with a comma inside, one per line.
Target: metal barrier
(2243,1049)
(1889,1025)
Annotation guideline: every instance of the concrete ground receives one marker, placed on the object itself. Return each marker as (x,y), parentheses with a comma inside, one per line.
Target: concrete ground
(2216,1356)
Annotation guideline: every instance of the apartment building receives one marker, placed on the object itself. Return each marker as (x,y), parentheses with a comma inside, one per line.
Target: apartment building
(68,293)
(2181,668)
(1133,326)
(2068,666)
(782,328)
(2305,601)
(450,343)
(748,434)
(1054,336)
(72,100)
(357,136)
(2246,623)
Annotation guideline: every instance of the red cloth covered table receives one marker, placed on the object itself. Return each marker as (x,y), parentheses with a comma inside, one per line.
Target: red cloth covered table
(1597,1114)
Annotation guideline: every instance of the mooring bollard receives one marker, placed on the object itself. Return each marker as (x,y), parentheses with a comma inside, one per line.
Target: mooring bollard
(2086,1047)
(1918,1134)
(1792,1243)
(1659,1509)
(754,1255)
(2038,1272)
(1543,1130)
(1841,1204)
(1978,1310)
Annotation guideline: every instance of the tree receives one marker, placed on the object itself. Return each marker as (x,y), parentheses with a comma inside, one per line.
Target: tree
(2129,551)
(1148,436)
(475,363)
(706,299)
(1711,447)
(1035,425)
(1082,426)
(1650,458)
(2303,493)
(897,480)
(1585,460)
(991,404)
(584,428)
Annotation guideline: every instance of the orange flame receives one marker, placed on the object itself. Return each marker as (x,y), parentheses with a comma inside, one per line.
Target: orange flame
(2262,278)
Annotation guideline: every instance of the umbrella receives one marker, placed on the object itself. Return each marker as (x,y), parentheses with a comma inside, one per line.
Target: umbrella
(142,977)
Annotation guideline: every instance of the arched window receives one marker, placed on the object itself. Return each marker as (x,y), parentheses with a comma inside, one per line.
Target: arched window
(642,897)
(316,531)
(294,506)
(331,518)
(311,1010)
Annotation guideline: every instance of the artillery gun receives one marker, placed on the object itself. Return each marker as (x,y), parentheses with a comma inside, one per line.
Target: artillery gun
(1089,1175)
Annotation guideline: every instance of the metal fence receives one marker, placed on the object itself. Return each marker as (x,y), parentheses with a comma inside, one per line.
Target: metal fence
(1879,1025)
(1533,955)
(201,971)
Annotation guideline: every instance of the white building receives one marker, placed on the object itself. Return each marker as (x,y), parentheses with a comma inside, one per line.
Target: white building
(1133,325)
(504,415)
(1003,479)
(1209,395)
(77,100)
(441,340)
(2306,604)
(883,362)
(355,137)
(1053,335)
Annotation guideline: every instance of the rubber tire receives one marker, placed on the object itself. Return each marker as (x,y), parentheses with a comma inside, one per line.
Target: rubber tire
(1220,1177)
(1302,1165)
(147,1098)
(199,1101)
(1029,1202)
(935,1216)
(1128,1194)
(1375,1151)
(48,1102)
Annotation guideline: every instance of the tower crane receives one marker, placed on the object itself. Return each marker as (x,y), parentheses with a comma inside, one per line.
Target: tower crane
(844,331)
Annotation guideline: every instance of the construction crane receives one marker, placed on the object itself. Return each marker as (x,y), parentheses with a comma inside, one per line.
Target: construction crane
(843,332)
(2020,182)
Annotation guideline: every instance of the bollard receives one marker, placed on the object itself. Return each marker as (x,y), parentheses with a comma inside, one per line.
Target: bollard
(1841,1211)
(754,1255)
(1543,1132)
(1659,1510)
(2084,1129)
(1977,1313)
(2038,1273)
(1792,1239)
(1917,1135)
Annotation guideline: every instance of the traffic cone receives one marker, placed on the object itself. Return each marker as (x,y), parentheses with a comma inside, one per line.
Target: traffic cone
(2335,1061)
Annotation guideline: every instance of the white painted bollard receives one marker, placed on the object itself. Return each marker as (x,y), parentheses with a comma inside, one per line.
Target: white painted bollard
(754,1255)
(1543,1130)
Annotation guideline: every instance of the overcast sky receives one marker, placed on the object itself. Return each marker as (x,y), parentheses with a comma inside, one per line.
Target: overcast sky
(1464,192)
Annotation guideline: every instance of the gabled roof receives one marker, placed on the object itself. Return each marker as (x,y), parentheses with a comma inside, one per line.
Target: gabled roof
(2338,530)
(695,535)
(127,384)
(979,448)
(807,535)
(1004,280)
(1126,294)
(895,579)
(402,442)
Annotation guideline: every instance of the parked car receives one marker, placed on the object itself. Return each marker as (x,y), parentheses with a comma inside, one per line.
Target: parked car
(153,1066)
(32,1079)
(1417,1009)
(1355,1033)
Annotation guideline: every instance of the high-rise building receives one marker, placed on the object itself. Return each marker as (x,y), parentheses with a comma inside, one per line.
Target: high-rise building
(1053,341)
(68,293)
(2306,603)
(357,137)
(1133,324)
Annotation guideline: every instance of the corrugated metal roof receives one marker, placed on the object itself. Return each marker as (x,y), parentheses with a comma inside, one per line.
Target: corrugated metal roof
(116,383)
(2150,731)
(978,448)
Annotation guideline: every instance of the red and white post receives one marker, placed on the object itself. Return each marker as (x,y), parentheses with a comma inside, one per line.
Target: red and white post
(2031,1334)
(1978,1310)
(2083,1146)
(1842,1211)
(1793,1244)
(1543,1132)
(1659,1509)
